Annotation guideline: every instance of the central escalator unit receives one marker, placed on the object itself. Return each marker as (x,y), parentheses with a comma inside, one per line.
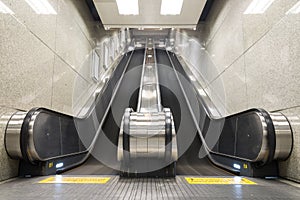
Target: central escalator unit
(147,143)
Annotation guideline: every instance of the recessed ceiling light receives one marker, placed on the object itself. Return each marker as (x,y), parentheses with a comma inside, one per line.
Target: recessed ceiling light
(128,7)
(295,9)
(258,6)
(4,9)
(41,7)
(171,7)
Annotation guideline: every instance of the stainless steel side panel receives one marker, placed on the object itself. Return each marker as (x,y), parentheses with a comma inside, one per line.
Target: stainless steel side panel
(13,134)
(284,136)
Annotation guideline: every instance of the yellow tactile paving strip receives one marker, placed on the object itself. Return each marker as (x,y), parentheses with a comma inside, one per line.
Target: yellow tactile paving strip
(78,180)
(219,181)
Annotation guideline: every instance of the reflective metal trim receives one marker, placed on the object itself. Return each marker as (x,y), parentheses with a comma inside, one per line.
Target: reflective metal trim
(13,135)
(284,136)
(149,93)
(142,77)
(31,151)
(157,82)
(264,149)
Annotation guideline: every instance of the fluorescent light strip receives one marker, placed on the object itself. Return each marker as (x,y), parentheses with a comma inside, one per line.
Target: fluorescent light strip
(128,7)
(258,6)
(41,7)
(4,9)
(295,9)
(171,7)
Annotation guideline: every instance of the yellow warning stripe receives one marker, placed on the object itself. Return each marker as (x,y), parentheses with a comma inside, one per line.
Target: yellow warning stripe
(78,180)
(219,181)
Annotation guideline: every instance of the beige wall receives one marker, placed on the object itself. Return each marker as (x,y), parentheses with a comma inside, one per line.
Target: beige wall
(251,61)
(43,55)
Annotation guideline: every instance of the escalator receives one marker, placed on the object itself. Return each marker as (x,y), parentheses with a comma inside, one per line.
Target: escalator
(250,143)
(47,142)
(110,128)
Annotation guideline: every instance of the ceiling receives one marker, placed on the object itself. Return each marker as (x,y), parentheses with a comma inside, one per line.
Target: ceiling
(149,15)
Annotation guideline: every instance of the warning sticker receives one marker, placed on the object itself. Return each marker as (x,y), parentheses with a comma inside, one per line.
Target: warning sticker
(219,181)
(79,180)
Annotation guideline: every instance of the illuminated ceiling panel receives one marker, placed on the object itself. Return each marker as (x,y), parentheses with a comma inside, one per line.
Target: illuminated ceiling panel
(128,7)
(171,7)
(149,14)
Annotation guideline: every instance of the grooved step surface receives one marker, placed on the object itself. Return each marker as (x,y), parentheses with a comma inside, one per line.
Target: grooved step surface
(145,188)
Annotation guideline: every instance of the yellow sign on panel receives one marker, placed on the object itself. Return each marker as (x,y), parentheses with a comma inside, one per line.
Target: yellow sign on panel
(219,181)
(50,165)
(80,180)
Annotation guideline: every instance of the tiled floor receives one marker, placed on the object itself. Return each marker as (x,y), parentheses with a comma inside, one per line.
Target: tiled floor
(118,188)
